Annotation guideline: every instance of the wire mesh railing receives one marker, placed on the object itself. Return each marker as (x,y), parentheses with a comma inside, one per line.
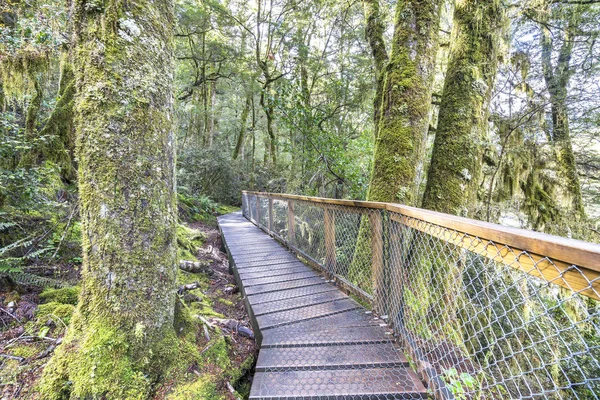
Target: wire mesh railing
(480,310)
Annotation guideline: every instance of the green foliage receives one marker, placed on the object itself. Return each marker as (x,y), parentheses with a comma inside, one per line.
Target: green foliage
(460,384)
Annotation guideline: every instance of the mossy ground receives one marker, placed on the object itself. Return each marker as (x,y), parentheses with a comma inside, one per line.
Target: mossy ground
(200,368)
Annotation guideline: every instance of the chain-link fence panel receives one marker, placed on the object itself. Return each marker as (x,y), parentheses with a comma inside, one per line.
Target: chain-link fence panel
(476,317)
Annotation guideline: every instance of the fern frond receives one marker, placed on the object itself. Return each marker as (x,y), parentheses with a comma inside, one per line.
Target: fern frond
(38,252)
(24,278)
(25,242)
(5,225)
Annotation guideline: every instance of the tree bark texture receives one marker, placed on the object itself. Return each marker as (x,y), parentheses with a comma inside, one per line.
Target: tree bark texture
(123,329)
(456,164)
(405,102)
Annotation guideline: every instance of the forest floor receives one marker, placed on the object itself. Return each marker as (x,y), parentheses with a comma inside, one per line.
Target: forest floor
(33,321)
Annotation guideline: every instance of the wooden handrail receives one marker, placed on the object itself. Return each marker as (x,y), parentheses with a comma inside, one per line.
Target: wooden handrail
(582,254)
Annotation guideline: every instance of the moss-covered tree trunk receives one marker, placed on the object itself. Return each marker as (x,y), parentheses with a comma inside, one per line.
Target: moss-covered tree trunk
(374,34)
(60,123)
(456,163)
(243,120)
(556,77)
(271,141)
(404,119)
(122,336)
(32,157)
(405,103)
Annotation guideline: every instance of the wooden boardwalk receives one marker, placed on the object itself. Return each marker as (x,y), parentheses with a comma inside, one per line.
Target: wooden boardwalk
(315,341)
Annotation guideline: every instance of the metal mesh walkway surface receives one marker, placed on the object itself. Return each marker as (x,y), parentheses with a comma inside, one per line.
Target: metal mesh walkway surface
(315,341)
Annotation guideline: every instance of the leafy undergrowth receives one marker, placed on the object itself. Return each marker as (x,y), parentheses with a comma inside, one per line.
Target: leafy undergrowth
(35,320)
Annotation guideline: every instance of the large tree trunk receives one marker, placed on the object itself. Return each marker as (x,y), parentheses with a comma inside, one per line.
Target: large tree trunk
(557,81)
(406,101)
(374,34)
(404,120)
(456,164)
(122,336)
(455,171)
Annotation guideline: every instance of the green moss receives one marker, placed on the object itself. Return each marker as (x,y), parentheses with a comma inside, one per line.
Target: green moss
(95,365)
(189,241)
(100,364)
(204,388)
(246,366)
(9,372)
(183,278)
(26,350)
(217,353)
(206,310)
(67,295)
(53,311)
(225,301)
(184,323)
(227,209)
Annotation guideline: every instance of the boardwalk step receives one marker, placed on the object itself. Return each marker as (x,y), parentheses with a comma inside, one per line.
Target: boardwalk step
(297,302)
(279,278)
(342,328)
(330,357)
(344,384)
(278,287)
(290,293)
(298,315)
(282,337)
(267,257)
(258,250)
(259,263)
(260,272)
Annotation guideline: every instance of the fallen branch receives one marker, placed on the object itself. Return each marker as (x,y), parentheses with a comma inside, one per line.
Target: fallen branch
(10,314)
(19,359)
(194,266)
(46,352)
(235,326)
(190,286)
(206,322)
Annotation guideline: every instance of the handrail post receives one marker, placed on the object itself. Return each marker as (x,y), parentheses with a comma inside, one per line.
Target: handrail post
(270,215)
(258,211)
(244,204)
(330,258)
(377,264)
(291,227)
